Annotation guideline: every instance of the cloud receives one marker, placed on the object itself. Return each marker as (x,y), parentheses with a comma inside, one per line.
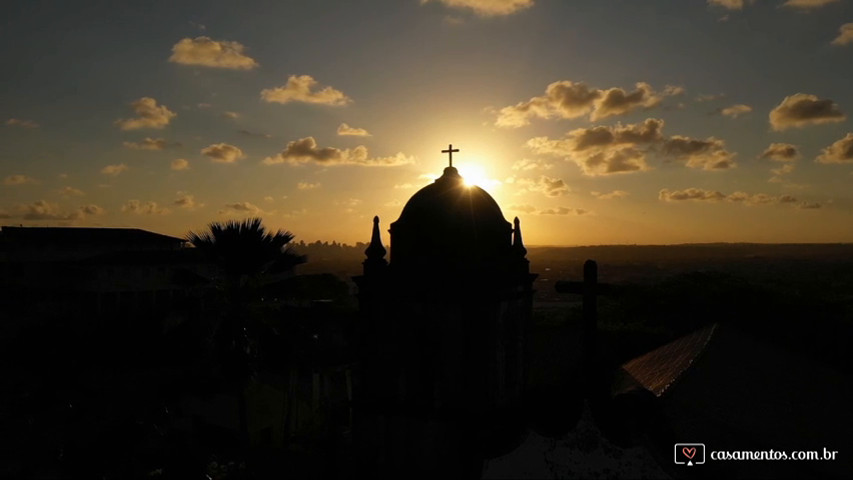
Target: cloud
(689,194)
(114,170)
(180,164)
(779,173)
(151,144)
(807,4)
(527,208)
(149,115)
(781,152)
(44,210)
(299,88)
(802,109)
(563,211)
(708,154)
(744,198)
(344,129)
(223,153)
(71,192)
(147,208)
(527,164)
(305,150)
(404,185)
(551,187)
(91,209)
(735,111)
(19,180)
(566,99)
(611,195)
(710,97)
(231,115)
(241,208)
(839,152)
(187,201)
(206,52)
(845,35)
(603,150)
(307,186)
(486,8)
(15,122)
(727,4)
(253,134)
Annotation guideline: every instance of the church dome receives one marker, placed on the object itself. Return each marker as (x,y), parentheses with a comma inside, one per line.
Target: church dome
(448,222)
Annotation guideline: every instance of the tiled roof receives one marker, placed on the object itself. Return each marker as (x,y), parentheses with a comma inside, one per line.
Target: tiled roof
(82,235)
(658,369)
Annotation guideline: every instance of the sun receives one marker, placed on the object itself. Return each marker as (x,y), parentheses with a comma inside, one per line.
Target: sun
(474,175)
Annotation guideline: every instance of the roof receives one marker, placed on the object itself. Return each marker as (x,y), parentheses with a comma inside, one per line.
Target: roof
(83,235)
(657,370)
(448,220)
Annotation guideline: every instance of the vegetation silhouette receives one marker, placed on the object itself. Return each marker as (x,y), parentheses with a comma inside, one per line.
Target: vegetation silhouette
(247,254)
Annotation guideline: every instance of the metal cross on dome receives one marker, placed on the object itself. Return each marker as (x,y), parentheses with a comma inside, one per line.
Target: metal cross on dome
(449,152)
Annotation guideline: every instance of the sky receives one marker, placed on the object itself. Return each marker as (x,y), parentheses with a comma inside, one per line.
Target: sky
(593,121)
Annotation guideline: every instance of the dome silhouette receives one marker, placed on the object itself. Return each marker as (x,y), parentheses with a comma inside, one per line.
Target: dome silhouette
(450,223)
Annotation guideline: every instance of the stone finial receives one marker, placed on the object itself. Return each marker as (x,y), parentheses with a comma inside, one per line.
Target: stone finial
(375,251)
(517,242)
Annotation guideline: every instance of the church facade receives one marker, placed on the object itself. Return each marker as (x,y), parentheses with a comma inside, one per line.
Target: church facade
(442,335)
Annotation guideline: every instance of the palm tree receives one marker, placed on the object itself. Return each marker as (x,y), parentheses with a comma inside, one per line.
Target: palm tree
(246,254)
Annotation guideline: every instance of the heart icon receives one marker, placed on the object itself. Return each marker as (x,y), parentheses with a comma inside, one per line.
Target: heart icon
(689,452)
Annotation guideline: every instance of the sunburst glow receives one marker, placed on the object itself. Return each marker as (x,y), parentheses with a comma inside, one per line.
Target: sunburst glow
(475,175)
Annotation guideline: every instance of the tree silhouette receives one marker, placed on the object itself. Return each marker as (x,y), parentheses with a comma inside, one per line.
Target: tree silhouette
(246,254)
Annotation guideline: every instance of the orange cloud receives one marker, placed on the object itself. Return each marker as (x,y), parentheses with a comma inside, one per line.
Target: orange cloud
(149,115)
(206,52)
(301,89)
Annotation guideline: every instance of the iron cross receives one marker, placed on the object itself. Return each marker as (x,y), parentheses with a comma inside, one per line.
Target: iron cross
(449,152)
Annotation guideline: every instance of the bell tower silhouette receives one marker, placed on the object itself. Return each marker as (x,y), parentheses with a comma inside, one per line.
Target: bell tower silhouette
(442,335)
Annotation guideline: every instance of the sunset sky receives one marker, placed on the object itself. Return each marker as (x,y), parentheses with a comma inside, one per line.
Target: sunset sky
(594,121)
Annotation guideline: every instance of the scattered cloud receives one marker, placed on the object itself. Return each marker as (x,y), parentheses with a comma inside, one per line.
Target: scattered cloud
(206,52)
(708,154)
(404,185)
(697,194)
(735,111)
(305,150)
(807,4)
(530,209)
(604,150)
(147,208)
(710,97)
(839,152)
(114,170)
(350,204)
(241,208)
(269,198)
(535,164)
(44,210)
(779,173)
(149,115)
(781,152)
(548,186)
(231,115)
(187,201)
(307,186)
(563,211)
(566,99)
(344,129)
(727,4)
(254,134)
(15,122)
(486,8)
(151,144)
(615,194)
(19,180)
(71,192)
(204,105)
(801,109)
(223,153)
(300,88)
(845,35)
(180,164)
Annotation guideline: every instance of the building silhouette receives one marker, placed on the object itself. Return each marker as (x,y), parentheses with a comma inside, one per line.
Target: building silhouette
(442,336)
